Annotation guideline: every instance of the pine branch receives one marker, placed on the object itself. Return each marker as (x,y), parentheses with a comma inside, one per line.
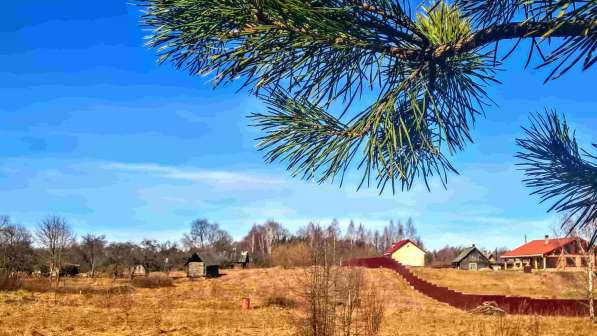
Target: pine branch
(558,170)
(428,69)
(516,30)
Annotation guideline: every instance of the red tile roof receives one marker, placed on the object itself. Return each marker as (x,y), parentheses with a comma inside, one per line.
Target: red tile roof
(398,245)
(538,247)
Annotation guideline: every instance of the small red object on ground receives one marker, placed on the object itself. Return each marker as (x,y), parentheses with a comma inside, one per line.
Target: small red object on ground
(246,303)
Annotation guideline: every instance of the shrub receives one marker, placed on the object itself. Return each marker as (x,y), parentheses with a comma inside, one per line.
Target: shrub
(8,283)
(291,255)
(44,286)
(280,302)
(37,285)
(153,281)
(338,301)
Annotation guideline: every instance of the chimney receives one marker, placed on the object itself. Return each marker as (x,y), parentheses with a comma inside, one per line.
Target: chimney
(473,245)
(546,239)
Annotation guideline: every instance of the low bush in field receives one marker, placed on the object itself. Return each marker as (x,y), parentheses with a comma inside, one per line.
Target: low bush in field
(9,283)
(291,255)
(280,302)
(153,281)
(43,285)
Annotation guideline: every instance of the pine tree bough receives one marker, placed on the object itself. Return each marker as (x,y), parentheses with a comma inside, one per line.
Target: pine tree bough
(420,72)
(558,170)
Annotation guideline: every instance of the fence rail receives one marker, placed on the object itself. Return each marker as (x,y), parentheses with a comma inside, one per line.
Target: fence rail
(510,304)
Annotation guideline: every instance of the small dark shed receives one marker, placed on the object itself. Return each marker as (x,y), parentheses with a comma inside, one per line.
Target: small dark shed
(70,269)
(241,260)
(201,266)
(471,259)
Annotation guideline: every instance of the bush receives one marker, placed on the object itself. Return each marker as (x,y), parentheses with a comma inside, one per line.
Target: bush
(8,283)
(44,286)
(153,281)
(291,255)
(280,302)
(37,285)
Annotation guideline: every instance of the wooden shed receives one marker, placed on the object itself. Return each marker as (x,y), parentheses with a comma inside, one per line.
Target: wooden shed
(471,259)
(201,266)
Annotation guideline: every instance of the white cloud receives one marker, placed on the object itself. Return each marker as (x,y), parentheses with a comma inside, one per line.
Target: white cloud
(195,175)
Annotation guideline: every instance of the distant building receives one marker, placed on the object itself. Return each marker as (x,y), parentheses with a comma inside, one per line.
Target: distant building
(202,266)
(496,263)
(70,269)
(471,259)
(557,253)
(139,270)
(241,260)
(407,253)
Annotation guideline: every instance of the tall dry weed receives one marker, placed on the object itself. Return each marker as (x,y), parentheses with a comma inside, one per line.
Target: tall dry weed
(337,301)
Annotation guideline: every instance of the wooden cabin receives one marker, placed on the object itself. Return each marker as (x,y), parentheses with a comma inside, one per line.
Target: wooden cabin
(471,259)
(201,266)
(556,253)
(407,253)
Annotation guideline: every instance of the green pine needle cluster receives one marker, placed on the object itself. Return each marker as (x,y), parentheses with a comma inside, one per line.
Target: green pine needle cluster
(558,170)
(313,61)
(443,24)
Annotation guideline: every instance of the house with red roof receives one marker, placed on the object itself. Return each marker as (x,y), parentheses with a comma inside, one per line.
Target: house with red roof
(555,253)
(406,252)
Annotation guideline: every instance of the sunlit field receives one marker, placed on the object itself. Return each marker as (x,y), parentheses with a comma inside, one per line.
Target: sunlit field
(214,307)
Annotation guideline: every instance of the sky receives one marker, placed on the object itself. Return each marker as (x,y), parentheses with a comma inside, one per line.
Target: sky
(92,129)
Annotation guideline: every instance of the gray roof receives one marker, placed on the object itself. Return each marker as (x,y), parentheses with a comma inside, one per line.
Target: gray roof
(205,257)
(466,252)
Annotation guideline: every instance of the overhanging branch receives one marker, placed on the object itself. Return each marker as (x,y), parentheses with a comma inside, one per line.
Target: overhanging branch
(515,30)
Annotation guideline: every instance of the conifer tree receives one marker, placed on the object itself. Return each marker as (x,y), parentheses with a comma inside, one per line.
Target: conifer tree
(314,63)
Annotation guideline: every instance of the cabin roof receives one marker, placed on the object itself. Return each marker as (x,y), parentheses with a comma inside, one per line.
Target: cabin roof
(398,245)
(203,257)
(466,252)
(540,247)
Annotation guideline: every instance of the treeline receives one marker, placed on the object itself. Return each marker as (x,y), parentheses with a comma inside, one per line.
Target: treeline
(53,246)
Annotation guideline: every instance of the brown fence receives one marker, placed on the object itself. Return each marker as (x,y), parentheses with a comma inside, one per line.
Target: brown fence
(510,304)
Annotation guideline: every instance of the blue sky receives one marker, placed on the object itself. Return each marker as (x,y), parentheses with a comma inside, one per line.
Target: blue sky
(94,130)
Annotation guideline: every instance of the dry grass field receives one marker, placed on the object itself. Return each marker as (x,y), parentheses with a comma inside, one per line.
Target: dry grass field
(562,285)
(213,307)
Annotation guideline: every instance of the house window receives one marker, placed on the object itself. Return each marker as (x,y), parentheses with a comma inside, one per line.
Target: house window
(472,266)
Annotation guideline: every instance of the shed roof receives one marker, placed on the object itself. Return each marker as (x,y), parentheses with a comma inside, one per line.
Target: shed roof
(540,247)
(203,257)
(398,245)
(466,252)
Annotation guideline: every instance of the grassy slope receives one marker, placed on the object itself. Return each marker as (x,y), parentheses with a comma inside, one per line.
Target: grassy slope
(212,307)
(568,285)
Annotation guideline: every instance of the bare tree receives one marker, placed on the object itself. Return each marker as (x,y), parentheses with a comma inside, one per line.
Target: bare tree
(121,256)
(55,236)
(15,246)
(92,250)
(201,229)
(274,233)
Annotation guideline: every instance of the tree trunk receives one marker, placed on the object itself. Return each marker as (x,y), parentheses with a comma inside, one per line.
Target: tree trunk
(590,271)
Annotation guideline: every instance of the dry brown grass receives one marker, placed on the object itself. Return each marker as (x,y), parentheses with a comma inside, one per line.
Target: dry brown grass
(213,307)
(157,280)
(563,285)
